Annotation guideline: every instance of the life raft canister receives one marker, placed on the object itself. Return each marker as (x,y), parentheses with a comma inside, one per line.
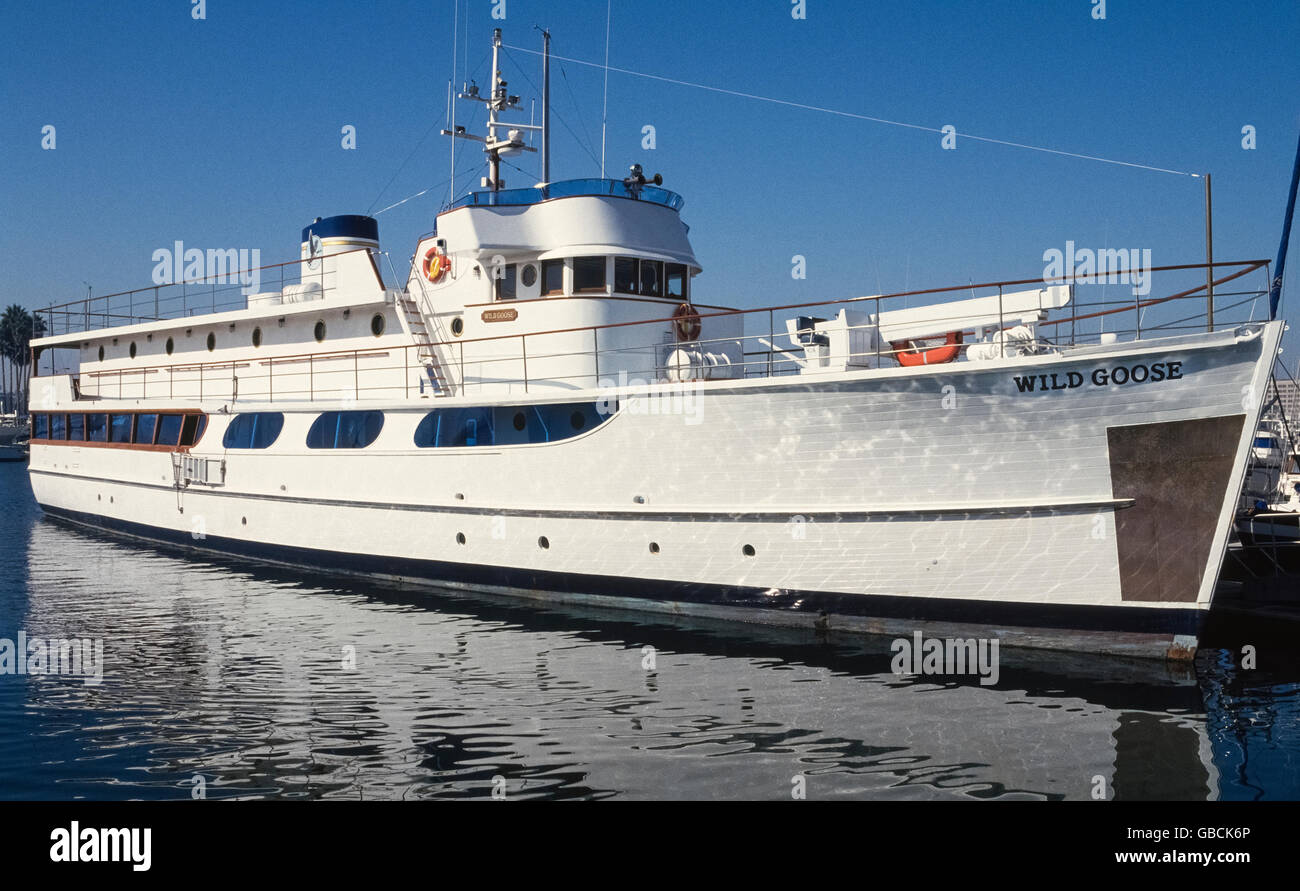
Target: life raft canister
(686,323)
(909,356)
(436,263)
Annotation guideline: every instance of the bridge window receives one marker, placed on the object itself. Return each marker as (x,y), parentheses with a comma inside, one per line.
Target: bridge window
(255,430)
(552,278)
(588,275)
(504,281)
(40,427)
(345,430)
(77,428)
(58,427)
(675,279)
(626,275)
(652,278)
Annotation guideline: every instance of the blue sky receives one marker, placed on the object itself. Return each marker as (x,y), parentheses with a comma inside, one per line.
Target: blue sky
(225,132)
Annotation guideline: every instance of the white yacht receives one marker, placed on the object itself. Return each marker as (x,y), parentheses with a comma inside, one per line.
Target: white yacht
(540,405)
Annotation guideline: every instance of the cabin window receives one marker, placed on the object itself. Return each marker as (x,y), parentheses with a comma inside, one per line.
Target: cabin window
(58,427)
(97,428)
(169,429)
(212,342)
(40,427)
(627,277)
(588,275)
(552,278)
(255,430)
(529,276)
(652,278)
(319,331)
(144,428)
(675,279)
(77,428)
(377,324)
(119,428)
(257,337)
(192,427)
(345,429)
(450,427)
(505,277)
(171,345)
(509,425)
(101,352)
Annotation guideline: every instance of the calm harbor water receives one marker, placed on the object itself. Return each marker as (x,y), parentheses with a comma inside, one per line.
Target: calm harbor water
(243,676)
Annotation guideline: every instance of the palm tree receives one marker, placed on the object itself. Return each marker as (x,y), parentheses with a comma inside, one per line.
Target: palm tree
(9,327)
(18,328)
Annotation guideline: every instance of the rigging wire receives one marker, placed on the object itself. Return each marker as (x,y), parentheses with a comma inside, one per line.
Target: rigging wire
(854,115)
(554,113)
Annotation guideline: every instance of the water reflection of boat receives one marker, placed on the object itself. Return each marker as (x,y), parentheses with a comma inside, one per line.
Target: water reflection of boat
(453,689)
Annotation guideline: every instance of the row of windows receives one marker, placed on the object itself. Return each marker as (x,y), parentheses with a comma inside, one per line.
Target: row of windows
(377,326)
(166,429)
(442,428)
(645,278)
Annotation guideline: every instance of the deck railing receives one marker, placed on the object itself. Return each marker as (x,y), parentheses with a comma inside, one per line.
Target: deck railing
(755,341)
(219,292)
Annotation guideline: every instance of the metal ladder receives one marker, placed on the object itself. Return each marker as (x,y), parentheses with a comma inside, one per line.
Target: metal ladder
(413,320)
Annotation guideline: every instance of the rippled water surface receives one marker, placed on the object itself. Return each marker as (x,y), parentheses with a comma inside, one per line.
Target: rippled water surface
(241,675)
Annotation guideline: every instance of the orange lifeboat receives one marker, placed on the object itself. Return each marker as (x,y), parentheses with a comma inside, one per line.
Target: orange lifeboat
(909,356)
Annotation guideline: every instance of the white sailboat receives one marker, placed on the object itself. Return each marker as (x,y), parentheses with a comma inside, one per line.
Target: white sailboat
(539,406)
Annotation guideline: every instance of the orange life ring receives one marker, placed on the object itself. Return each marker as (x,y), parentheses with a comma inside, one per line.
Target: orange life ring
(686,323)
(909,356)
(436,263)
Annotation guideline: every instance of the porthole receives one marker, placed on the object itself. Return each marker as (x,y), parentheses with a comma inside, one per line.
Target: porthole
(520,421)
(654,547)
(320,331)
(101,352)
(243,521)
(132,349)
(748,550)
(458,326)
(171,345)
(460,538)
(212,341)
(578,420)
(377,324)
(257,337)
(529,276)
(543,543)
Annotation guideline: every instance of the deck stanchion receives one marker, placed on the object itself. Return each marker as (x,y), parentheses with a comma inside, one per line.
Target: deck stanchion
(523,343)
(595,352)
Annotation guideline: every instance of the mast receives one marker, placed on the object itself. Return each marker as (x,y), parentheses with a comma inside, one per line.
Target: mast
(498,101)
(546,106)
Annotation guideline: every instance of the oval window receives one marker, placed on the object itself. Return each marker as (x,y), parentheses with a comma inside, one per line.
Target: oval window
(320,331)
(458,326)
(170,346)
(133,349)
(377,324)
(529,276)
(257,337)
(101,352)
(212,341)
